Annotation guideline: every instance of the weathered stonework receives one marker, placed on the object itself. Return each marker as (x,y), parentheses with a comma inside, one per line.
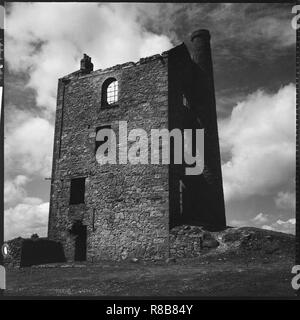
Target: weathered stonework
(26,252)
(191,241)
(129,209)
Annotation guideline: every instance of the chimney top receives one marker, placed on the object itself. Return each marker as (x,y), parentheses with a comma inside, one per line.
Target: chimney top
(86,64)
(200,33)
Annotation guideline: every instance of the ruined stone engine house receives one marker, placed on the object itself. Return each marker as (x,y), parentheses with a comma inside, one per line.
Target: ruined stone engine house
(111,212)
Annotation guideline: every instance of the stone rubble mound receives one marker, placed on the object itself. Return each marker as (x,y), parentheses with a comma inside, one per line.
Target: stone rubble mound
(193,241)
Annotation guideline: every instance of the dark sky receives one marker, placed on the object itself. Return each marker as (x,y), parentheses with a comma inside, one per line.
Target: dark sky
(249,44)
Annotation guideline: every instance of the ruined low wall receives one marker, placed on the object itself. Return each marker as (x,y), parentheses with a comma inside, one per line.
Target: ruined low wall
(14,257)
(28,252)
(190,241)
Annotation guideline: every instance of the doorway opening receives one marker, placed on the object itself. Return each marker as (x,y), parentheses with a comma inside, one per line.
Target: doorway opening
(80,232)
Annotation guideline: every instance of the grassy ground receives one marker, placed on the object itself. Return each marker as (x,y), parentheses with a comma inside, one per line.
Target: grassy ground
(219,275)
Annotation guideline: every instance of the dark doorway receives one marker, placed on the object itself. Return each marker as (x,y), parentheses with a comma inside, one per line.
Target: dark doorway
(80,232)
(80,245)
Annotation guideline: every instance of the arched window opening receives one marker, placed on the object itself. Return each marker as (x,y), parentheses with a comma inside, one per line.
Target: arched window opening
(110,92)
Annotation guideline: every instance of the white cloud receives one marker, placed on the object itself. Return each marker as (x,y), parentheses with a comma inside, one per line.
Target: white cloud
(278,31)
(282,226)
(285,200)
(48,39)
(14,189)
(26,218)
(267,227)
(238,223)
(260,136)
(291,221)
(260,218)
(28,144)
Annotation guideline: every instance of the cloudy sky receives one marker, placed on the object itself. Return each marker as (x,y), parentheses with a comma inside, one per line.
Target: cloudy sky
(254,64)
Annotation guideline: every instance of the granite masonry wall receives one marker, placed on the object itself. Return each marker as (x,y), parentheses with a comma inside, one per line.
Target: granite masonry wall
(126,206)
(191,76)
(130,210)
(191,241)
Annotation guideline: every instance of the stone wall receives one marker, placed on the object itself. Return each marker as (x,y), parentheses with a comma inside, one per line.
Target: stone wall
(26,252)
(126,207)
(190,241)
(13,259)
(204,204)
(129,209)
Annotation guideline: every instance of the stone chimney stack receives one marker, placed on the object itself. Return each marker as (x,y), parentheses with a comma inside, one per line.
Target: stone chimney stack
(86,65)
(202,51)
(201,56)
